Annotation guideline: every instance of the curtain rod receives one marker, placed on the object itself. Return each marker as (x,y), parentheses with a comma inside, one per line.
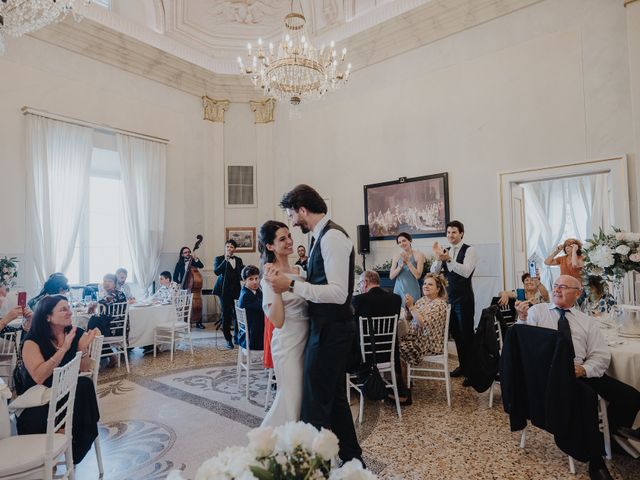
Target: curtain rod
(83,123)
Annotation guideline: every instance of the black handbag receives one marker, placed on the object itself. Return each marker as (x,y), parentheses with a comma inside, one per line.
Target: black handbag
(374,387)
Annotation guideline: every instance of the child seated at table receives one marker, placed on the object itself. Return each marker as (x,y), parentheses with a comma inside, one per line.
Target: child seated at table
(168,290)
(251,300)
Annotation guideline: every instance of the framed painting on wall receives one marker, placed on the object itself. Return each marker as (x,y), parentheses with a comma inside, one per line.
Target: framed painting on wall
(418,206)
(245,237)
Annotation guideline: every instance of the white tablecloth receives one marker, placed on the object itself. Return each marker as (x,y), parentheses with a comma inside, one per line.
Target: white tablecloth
(143,321)
(5,423)
(625,362)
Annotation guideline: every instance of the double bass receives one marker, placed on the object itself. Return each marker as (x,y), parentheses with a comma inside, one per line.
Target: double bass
(192,282)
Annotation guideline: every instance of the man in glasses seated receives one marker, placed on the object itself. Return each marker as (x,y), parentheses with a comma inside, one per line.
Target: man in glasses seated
(592,356)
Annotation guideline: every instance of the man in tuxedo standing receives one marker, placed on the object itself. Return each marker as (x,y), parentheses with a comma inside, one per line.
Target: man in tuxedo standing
(328,290)
(228,268)
(458,262)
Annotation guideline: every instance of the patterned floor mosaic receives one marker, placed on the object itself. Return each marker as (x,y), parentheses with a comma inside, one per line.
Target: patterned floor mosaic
(164,416)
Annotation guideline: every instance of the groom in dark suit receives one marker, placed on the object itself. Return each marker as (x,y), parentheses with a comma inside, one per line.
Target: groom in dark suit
(328,290)
(228,268)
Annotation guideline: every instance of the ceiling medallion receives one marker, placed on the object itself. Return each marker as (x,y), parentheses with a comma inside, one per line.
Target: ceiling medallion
(18,17)
(298,71)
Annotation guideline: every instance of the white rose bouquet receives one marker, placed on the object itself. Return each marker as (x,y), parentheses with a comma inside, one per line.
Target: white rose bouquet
(8,271)
(292,451)
(612,255)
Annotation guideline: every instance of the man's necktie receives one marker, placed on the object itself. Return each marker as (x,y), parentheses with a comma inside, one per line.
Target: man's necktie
(564,329)
(313,242)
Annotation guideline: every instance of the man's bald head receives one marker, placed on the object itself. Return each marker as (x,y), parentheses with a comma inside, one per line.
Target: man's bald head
(566,291)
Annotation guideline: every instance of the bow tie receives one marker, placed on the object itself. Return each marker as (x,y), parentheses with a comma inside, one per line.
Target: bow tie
(232,256)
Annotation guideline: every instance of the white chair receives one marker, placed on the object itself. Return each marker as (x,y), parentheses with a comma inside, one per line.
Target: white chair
(95,350)
(119,314)
(34,456)
(384,329)
(603,425)
(498,328)
(442,360)
(246,358)
(271,376)
(180,329)
(9,351)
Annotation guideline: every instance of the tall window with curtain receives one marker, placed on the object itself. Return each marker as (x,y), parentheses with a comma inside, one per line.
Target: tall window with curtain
(92,210)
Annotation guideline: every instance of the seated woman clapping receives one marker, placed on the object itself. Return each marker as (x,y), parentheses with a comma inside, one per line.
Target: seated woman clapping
(427,317)
(53,342)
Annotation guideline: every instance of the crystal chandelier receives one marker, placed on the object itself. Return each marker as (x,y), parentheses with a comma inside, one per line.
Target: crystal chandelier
(297,71)
(18,17)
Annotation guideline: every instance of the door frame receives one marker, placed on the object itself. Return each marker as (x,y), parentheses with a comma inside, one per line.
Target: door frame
(615,168)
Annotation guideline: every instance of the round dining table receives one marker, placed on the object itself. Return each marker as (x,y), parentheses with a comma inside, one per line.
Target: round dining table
(143,320)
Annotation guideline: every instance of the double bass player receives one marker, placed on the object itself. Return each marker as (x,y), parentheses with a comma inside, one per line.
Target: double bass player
(183,275)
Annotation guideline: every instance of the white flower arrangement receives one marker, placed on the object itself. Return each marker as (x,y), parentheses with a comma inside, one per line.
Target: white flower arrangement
(8,271)
(612,254)
(292,451)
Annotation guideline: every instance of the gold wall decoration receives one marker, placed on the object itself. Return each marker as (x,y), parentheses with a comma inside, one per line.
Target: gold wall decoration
(214,109)
(263,109)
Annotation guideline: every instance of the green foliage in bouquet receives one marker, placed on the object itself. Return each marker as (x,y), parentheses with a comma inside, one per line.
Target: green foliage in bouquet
(612,255)
(8,271)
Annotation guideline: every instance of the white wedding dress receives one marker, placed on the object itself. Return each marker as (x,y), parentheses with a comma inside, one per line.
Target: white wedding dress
(287,350)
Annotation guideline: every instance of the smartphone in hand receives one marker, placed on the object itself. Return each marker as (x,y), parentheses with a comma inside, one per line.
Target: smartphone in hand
(22,299)
(533,270)
(520,294)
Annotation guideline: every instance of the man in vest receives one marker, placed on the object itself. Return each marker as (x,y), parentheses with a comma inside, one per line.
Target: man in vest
(328,290)
(458,263)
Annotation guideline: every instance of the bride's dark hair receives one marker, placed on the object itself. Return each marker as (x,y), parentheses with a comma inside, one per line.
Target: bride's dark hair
(267,235)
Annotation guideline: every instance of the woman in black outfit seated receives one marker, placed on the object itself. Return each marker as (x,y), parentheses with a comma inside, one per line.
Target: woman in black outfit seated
(53,342)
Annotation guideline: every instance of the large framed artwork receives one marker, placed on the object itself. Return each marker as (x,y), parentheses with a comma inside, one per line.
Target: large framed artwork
(245,237)
(418,206)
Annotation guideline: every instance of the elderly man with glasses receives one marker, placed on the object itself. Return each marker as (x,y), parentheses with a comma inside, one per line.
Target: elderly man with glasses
(592,356)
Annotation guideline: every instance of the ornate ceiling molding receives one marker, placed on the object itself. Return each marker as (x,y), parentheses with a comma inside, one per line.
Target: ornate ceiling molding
(100,43)
(127,45)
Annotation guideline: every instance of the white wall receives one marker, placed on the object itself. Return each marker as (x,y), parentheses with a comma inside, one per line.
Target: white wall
(547,85)
(45,77)
(543,86)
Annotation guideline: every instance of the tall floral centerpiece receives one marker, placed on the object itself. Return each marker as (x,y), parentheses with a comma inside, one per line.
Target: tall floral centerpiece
(612,256)
(8,271)
(294,451)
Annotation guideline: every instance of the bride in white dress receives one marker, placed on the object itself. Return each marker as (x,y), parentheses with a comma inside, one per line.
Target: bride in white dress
(288,312)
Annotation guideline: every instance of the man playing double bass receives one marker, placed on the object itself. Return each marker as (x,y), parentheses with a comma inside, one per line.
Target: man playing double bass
(185,262)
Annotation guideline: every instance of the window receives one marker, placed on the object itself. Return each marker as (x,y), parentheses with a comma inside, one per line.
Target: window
(240,185)
(102,245)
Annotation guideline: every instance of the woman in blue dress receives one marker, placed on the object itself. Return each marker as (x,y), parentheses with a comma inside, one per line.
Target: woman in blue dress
(406,268)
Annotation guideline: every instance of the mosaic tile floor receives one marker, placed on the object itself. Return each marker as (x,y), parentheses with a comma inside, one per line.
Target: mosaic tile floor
(164,416)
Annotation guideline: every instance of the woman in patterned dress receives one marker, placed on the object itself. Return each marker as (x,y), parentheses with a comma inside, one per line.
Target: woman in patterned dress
(427,319)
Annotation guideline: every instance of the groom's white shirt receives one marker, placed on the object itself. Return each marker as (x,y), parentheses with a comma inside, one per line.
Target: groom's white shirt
(335,248)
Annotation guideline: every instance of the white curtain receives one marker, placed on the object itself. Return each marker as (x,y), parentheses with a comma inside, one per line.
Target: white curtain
(546,204)
(143,173)
(58,166)
(588,201)
(545,214)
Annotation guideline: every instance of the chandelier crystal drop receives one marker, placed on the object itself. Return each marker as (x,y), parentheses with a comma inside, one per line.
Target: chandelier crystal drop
(18,17)
(296,71)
